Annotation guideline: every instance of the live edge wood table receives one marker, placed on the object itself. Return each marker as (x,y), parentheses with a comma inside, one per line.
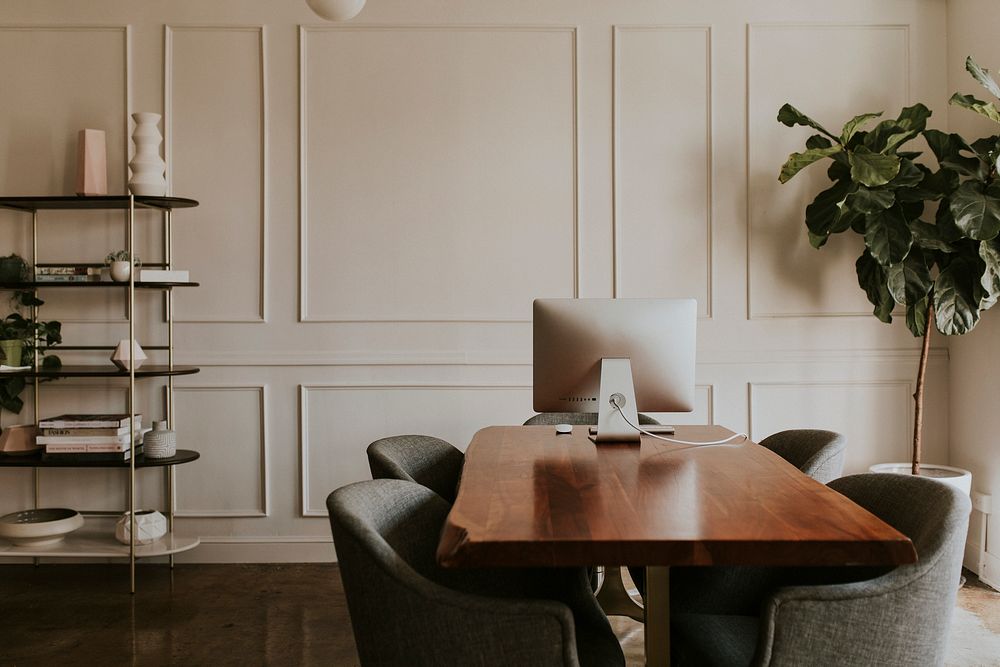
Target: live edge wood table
(530,497)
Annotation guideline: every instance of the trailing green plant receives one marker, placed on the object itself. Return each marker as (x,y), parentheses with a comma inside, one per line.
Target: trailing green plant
(943,271)
(36,335)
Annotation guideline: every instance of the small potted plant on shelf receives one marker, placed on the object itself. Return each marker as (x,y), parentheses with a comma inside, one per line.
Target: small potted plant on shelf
(20,337)
(120,266)
(944,272)
(13,269)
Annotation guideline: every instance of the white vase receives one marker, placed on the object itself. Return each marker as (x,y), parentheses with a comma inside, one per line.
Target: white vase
(160,443)
(956,477)
(148,168)
(121,270)
(150,526)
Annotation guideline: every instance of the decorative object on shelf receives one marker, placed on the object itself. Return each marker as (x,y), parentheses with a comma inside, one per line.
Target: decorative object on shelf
(13,269)
(19,440)
(336,10)
(944,273)
(161,442)
(119,265)
(148,168)
(123,360)
(40,527)
(31,336)
(91,163)
(150,526)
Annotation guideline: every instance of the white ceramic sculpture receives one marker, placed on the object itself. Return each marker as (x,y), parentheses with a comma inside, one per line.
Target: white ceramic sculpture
(91,163)
(122,359)
(150,526)
(148,168)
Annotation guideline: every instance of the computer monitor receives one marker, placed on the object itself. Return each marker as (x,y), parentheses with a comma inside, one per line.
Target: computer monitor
(588,350)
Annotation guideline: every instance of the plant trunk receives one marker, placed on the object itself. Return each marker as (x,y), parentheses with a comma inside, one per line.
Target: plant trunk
(918,395)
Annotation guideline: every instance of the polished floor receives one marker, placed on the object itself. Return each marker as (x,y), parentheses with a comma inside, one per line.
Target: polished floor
(216,615)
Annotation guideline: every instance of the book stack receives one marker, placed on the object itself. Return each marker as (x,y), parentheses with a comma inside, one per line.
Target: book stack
(80,438)
(67,274)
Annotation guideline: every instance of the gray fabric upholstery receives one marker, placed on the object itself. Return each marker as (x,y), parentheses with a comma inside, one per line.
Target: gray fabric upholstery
(406,610)
(578,419)
(817,453)
(898,617)
(428,461)
(737,589)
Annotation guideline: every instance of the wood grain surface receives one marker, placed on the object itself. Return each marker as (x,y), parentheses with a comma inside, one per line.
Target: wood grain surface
(530,497)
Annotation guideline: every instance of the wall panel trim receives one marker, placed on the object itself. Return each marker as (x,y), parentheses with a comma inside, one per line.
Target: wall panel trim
(263,448)
(304,31)
(616,260)
(168,134)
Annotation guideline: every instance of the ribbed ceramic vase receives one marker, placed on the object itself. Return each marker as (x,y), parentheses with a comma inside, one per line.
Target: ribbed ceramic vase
(160,443)
(148,177)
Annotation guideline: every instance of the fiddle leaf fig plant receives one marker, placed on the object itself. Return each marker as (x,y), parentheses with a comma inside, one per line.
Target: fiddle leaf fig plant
(943,268)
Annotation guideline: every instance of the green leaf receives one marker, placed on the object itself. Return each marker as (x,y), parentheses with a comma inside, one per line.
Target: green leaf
(871,277)
(929,236)
(818,240)
(910,175)
(872,169)
(989,251)
(972,104)
(51,362)
(916,317)
(866,201)
(947,148)
(982,76)
(851,126)
(790,116)
(798,161)
(818,141)
(825,211)
(888,236)
(976,209)
(890,134)
(945,222)
(910,280)
(933,186)
(957,291)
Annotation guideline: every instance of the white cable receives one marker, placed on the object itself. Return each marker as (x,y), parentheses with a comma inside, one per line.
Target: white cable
(673,440)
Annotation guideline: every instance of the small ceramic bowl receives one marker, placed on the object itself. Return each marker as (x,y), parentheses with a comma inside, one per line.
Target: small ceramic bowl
(41,527)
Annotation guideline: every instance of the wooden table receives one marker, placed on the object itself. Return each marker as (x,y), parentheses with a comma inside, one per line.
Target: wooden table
(530,497)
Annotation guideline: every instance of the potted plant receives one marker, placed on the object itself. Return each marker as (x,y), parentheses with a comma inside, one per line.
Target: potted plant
(944,272)
(20,337)
(120,266)
(13,269)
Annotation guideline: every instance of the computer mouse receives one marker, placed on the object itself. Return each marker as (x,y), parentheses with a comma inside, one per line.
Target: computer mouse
(563,428)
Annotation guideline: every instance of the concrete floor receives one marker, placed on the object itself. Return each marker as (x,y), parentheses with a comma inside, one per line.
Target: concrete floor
(256,615)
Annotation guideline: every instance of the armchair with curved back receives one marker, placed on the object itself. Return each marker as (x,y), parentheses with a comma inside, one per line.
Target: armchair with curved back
(423,459)
(844,615)
(408,611)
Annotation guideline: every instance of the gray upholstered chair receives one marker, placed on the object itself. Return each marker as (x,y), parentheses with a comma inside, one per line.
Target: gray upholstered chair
(737,589)
(851,616)
(428,461)
(612,594)
(817,453)
(406,610)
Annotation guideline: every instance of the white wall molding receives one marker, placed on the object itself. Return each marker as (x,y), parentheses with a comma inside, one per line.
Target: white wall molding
(304,32)
(264,178)
(263,480)
(761,27)
(618,34)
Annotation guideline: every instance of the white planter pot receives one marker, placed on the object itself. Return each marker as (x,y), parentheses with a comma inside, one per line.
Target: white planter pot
(120,271)
(956,477)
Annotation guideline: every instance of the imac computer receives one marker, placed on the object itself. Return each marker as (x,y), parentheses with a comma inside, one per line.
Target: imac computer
(614,357)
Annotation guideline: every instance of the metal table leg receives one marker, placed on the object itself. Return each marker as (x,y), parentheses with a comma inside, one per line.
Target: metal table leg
(613,597)
(657,616)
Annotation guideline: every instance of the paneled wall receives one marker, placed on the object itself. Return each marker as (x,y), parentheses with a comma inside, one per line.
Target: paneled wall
(382,199)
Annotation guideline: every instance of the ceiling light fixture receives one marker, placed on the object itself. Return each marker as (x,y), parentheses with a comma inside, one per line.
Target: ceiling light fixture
(336,10)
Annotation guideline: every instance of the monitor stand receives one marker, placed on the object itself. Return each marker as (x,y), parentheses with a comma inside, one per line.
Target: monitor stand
(616,380)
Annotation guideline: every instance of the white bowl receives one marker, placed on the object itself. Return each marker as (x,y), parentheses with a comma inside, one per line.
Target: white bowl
(41,527)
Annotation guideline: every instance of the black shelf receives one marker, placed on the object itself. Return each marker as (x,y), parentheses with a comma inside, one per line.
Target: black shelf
(100,202)
(145,371)
(97,283)
(34,460)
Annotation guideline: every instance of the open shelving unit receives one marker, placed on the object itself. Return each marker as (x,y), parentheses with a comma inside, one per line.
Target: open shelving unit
(93,541)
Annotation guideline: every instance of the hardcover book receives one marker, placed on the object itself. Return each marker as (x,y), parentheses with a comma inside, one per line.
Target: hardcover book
(89,421)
